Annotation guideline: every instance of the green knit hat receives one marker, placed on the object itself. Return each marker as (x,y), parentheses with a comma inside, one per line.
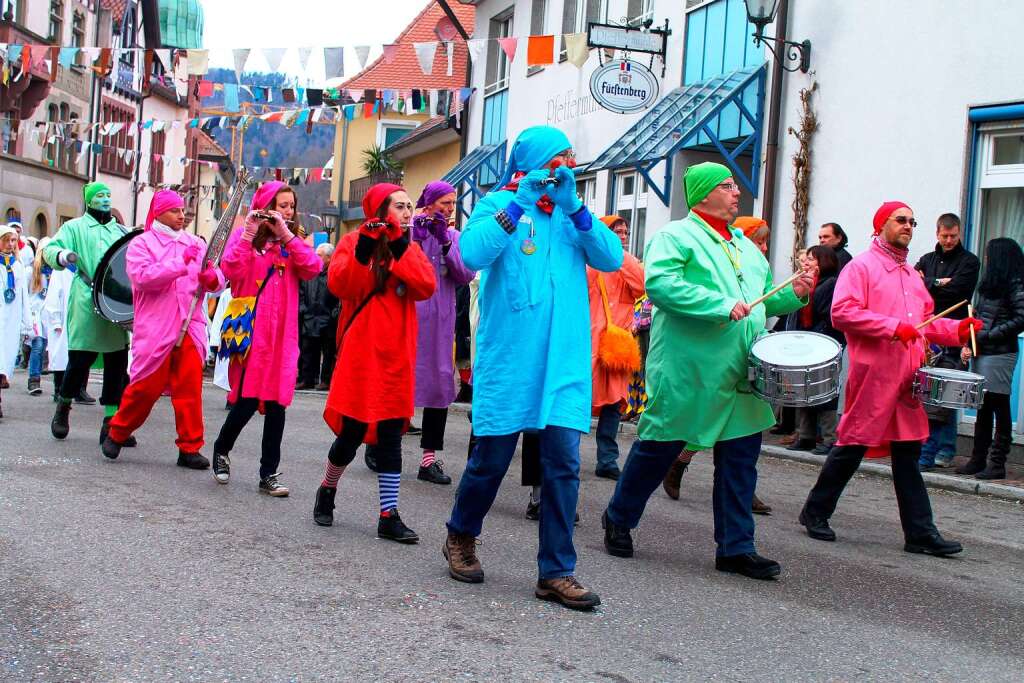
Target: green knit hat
(700,179)
(93,189)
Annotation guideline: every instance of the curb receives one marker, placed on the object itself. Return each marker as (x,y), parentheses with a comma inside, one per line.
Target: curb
(932,480)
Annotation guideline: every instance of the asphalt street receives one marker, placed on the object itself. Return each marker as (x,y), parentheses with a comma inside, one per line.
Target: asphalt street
(138,570)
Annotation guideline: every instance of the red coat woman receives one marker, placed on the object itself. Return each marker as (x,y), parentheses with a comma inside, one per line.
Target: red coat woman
(378,274)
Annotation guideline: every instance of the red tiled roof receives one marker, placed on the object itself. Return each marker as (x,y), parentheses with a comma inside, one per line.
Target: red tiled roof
(404,71)
(208,146)
(116,7)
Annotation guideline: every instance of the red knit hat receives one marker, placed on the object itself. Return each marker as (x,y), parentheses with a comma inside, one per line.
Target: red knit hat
(883,213)
(376,195)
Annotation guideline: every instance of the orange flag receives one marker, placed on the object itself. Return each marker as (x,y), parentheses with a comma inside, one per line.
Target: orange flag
(540,50)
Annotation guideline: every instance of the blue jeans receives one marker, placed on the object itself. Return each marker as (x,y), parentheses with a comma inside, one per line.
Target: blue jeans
(35,359)
(734,483)
(560,479)
(607,429)
(941,442)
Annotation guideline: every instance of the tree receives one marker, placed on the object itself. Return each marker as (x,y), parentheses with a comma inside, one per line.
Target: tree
(378,160)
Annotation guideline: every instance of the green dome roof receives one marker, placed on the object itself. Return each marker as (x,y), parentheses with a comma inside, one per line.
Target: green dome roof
(181,24)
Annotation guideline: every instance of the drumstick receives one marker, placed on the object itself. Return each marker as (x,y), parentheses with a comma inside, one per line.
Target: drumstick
(776,289)
(974,340)
(935,317)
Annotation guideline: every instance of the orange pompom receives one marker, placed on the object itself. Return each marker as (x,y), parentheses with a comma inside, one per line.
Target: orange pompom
(618,351)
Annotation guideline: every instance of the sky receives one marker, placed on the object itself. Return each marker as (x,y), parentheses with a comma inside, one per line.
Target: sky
(303,23)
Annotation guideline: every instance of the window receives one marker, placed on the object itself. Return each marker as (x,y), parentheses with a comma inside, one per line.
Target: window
(1008,150)
(78,35)
(631,204)
(12,215)
(39,228)
(576,14)
(586,189)
(57,22)
(112,160)
(65,146)
(538,16)
(391,132)
(639,11)
(156,166)
(8,132)
(13,11)
(51,145)
(497,60)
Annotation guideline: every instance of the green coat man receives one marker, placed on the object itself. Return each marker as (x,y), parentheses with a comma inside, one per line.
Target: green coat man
(701,275)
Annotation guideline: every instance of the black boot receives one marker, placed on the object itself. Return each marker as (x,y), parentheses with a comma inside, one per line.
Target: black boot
(391,527)
(323,509)
(130,442)
(996,467)
(977,461)
(110,448)
(617,540)
(61,423)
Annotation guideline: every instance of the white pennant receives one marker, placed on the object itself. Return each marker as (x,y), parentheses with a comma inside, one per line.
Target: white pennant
(450,47)
(164,55)
(304,53)
(425,53)
(241,56)
(274,57)
(476,48)
(362,53)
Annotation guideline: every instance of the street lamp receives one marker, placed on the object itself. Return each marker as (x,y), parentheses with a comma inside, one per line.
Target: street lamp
(760,13)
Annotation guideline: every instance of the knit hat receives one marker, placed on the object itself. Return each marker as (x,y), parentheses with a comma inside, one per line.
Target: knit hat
(7,230)
(749,224)
(265,195)
(612,220)
(93,189)
(376,195)
(883,213)
(432,192)
(700,179)
(163,201)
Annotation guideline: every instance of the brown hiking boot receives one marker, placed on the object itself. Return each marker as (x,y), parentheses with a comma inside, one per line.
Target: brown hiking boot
(463,564)
(674,479)
(759,507)
(567,591)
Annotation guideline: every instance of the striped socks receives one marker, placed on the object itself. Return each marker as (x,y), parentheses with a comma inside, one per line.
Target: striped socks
(387,486)
(332,475)
(428,458)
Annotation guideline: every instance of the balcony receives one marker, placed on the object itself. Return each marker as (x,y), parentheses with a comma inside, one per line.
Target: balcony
(358,187)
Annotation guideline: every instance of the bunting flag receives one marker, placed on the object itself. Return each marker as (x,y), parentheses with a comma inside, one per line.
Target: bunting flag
(274,57)
(449,47)
(425,54)
(166,57)
(508,45)
(334,62)
(476,48)
(390,52)
(540,50)
(304,53)
(576,48)
(231,97)
(241,56)
(362,53)
(198,62)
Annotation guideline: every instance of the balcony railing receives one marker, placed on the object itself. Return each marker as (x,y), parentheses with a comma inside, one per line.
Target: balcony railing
(358,187)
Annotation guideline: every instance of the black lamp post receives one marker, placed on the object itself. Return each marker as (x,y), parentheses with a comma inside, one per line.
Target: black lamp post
(760,13)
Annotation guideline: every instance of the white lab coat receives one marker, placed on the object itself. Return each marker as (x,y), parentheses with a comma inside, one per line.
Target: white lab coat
(55,318)
(220,368)
(14,318)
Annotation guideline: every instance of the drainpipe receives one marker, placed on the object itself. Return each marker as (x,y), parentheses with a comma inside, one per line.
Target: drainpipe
(339,171)
(775,106)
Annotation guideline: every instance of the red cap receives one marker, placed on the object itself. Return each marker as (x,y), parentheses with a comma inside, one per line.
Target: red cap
(883,213)
(376,195)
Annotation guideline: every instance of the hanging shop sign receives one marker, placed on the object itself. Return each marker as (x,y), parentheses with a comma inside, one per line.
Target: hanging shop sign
(628,38)
(624,86)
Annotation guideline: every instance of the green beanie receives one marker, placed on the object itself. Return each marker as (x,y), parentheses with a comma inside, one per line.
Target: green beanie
(700,179)
(91,190)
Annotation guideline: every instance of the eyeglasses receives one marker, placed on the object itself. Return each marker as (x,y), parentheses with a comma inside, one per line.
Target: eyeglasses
(903,220)
(728,187)
(568,154)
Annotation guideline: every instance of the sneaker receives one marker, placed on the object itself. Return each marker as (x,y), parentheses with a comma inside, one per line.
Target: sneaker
(221,467)
(434,474)
(463,564)
(84,398)
(272,486)
(110,448)
(60,425)
(944,463)
(193,461)
(33,386)
(391,527)
(568,592)
(323,508)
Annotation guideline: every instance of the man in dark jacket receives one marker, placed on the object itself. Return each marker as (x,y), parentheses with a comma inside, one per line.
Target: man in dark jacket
(832,235)
(950,273)
(318,320)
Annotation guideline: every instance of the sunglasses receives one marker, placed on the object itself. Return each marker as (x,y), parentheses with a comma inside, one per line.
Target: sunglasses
(903,220)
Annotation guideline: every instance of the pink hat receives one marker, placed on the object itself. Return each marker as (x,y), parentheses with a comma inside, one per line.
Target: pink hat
(164,200)
(883,213)
(265,194)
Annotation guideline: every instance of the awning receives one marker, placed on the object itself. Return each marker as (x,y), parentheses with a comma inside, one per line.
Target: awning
(479,169)
(691,115)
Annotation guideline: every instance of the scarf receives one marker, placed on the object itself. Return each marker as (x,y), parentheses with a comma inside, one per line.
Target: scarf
(897,254)
(9,262)
(720,225)
(544,203)
(166,230)
(102,216)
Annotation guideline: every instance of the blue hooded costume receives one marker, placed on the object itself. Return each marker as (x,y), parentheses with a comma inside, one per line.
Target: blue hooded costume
(533,363)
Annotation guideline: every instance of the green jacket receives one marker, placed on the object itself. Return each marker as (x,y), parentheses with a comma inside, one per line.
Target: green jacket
(90,240)
(697,388)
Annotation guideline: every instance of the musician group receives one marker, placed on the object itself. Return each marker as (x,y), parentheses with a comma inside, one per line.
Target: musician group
(543,349)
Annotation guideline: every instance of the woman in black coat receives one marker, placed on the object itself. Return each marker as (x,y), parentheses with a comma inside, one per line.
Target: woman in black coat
(1000,305)
(816,316)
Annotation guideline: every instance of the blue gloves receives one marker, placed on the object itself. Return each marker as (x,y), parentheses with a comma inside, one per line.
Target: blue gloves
(563,194)
(531,189)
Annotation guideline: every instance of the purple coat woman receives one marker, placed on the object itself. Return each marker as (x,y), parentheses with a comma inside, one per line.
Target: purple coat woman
(435,366)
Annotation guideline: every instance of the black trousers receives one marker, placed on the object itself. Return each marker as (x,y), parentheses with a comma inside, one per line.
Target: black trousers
(115,375)
(911,495)
(433,426)
(993,406)
(273,431)
(316,359)
(531,475)
(387,451)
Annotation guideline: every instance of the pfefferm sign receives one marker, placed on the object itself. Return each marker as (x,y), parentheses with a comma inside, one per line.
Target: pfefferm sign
(624,86)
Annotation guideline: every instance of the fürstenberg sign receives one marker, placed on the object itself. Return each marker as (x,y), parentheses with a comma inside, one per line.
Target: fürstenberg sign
(624,86)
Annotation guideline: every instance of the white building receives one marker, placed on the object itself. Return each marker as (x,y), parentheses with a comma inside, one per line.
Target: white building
(908,108)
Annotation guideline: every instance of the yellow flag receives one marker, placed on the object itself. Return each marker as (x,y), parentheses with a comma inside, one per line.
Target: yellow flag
(576,48)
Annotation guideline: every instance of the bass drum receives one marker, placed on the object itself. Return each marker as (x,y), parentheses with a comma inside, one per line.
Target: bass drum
(111,289)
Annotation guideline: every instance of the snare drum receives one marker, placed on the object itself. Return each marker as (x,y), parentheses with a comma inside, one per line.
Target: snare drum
(945,388)
(111,288)
(799,369)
